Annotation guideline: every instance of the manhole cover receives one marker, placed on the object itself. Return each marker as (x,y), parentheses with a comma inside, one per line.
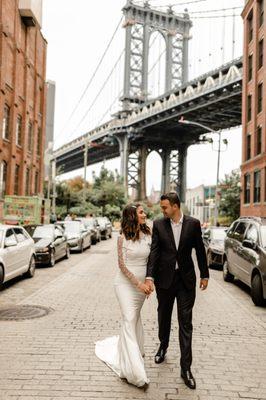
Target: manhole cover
(21,312)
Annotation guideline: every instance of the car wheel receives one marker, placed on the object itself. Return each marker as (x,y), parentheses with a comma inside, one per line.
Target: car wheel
(67,255)
(99,238)
(2,275)
(31,271)
(52,259)
(228,277)
(209,259)
(110,236)
(81,247)
(256,290)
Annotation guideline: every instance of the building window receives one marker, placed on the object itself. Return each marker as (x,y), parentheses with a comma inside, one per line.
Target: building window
(260,53)
(258,140)
(39,141)
(250,61)
(261,12)
(19,130)
(36,182)
(250,26)
(6,122)
(249,109)
(30,136)
(3,178)
(247,189)
(248,147)
(260,91)
(256,186)
(27,182)
(16,183)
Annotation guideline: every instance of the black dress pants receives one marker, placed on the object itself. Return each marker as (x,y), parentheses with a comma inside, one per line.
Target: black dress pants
(185,301)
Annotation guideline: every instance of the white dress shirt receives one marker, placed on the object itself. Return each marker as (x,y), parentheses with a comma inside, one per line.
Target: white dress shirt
(176,228)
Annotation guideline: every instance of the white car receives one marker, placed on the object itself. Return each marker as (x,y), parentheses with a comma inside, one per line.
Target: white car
(17,253)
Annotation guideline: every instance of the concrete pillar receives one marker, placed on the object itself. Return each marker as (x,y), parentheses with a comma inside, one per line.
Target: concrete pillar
(165,182)
(145,61)
(126,91)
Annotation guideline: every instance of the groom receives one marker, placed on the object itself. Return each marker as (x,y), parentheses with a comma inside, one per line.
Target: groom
(171,267)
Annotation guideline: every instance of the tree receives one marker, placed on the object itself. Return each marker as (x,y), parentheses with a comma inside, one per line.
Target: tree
(230,189)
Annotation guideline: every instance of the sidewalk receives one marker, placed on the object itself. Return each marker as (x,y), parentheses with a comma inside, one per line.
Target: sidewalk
(53,357)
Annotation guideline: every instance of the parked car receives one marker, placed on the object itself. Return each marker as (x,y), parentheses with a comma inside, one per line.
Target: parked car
(93,226)
(105,227)
(78,237)
(245,255)
(50,244)
(213,239)
(17,253)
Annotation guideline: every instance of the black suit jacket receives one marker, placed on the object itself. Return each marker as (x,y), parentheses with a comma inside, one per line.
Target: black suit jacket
(163,255)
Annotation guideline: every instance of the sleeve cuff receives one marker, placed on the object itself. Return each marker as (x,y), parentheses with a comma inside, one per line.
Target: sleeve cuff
(149,278)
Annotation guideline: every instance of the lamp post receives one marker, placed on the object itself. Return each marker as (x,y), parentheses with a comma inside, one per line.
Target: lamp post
(187,122)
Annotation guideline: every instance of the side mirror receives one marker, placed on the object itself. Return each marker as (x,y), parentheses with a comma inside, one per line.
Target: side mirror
(58,235)
(9,242)
(249,244)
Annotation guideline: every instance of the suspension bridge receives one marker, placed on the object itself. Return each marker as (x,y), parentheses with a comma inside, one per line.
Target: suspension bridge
(155,93)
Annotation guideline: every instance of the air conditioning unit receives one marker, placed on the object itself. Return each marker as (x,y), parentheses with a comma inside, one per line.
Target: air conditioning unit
(31,12)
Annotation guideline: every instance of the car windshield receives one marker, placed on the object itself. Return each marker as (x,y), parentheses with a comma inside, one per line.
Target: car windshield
(263,235)
(72,227)
(218,234)
(102,220)
(89,222)
(45,232)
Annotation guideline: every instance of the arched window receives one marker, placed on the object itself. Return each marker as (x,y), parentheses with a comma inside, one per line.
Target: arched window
(3,178)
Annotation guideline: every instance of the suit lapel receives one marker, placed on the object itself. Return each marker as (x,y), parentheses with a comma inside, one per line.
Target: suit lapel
(183,232)
(170,231)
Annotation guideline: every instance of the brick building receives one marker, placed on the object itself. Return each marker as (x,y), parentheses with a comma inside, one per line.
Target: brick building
(22,97)
(253,169)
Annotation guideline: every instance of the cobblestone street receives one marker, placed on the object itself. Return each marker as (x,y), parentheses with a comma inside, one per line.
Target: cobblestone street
(53,357)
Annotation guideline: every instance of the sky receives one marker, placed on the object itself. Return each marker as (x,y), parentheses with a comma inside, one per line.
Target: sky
(78,32)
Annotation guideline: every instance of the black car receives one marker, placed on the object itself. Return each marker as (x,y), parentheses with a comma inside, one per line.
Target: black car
(50,244)
(105,227)
(245,255)
(92,225)
(213,239)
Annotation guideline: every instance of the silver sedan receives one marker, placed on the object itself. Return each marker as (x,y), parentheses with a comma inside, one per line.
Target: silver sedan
(17,253)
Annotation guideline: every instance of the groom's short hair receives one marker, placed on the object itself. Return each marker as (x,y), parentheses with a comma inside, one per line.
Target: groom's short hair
(172,197)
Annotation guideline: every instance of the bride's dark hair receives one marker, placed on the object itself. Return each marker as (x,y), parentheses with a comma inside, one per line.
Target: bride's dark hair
(130,227)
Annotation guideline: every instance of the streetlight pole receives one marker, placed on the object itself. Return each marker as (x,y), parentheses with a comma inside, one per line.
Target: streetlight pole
(85,170)
(187,122)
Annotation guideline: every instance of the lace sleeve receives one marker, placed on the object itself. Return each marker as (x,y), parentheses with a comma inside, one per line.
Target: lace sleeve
(122,265)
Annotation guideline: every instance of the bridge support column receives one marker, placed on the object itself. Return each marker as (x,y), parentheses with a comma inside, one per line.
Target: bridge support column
(143,153)
(182,172)
(165,183)
(123,148)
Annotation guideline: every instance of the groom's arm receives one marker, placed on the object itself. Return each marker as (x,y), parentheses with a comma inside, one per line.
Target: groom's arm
(154,253)
(201,253)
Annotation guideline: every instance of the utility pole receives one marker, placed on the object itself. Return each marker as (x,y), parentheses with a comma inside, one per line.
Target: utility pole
(217,181)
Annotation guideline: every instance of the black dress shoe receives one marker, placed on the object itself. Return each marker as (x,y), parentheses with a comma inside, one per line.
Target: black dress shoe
(160,355)
(188,379)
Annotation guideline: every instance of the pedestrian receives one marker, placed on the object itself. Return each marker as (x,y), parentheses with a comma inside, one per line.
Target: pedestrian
(171,267)
(124,353)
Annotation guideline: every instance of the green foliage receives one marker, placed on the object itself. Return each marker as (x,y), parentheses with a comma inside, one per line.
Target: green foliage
(106,196)
(230,196)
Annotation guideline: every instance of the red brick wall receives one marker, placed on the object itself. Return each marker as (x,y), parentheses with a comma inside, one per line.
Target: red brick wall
(22,87)
(256,161)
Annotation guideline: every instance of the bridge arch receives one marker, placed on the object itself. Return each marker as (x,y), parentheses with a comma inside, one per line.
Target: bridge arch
(156,64)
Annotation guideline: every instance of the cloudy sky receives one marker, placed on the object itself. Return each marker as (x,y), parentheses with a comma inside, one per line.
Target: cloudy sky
(78,32)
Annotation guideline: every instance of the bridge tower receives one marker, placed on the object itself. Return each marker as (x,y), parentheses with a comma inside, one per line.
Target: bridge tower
(140,22)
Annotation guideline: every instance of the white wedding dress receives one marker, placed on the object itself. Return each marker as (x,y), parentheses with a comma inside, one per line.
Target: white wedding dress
(124,353)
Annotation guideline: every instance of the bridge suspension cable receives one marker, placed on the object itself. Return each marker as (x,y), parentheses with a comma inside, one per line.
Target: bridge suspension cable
(92,104)
(93,75)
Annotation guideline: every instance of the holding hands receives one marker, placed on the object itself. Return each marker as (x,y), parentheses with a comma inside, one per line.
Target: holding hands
(146,287)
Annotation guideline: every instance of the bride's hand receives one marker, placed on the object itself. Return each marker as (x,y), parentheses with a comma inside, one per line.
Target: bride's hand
(144,288)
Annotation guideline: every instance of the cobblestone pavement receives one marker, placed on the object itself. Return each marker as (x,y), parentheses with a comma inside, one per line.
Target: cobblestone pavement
(53,357)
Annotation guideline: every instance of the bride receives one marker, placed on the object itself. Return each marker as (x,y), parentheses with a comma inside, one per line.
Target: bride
(124,353)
